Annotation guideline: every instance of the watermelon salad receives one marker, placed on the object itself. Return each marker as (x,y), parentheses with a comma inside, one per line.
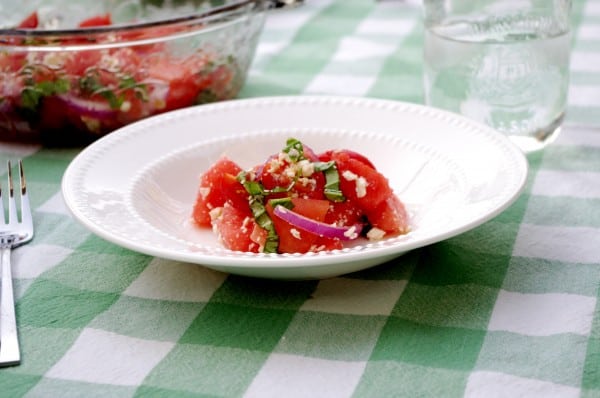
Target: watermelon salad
(298,201)
(94,91)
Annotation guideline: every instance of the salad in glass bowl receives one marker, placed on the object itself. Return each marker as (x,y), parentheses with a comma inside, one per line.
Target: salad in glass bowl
(71,72)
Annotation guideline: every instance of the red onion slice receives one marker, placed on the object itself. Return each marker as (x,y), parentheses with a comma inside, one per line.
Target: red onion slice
(317,227)
(93,109)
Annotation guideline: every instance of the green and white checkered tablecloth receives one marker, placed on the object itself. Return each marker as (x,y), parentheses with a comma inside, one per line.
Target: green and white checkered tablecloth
(509,309)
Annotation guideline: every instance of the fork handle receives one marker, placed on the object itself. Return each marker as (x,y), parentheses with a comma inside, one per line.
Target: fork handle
(9,341)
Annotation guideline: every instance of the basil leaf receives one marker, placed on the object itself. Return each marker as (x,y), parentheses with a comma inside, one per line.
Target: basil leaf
(259,212)
(332,180)
(285,202)
(33,92)
(294,149)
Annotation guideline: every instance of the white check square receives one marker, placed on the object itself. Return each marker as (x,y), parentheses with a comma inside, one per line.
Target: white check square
(543,314)
(98,356)
(562,243)
(292,376)
(169,280)
(55,205)
(32,260)
(393,27)
(352,49)
(498,385)
(340,84)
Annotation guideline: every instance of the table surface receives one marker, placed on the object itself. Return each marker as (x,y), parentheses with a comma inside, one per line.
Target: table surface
(508,309)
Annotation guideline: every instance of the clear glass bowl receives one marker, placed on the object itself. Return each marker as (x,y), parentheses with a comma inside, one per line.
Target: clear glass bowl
(71,72)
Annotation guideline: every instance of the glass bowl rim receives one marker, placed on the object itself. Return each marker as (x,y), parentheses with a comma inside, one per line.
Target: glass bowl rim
(206,18)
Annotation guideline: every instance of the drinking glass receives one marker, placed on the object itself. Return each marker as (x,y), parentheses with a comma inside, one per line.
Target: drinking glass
(501,62)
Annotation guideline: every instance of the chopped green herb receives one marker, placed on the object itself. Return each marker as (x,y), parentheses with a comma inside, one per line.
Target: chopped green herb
(332,180)
(91,84)
(33,92)
(285,202)
(294,149)
(254,188)
(257,206)
(206,96)
(140,89)
(264,221)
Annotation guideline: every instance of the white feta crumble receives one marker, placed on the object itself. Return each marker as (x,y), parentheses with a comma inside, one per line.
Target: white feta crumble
(204,191)
(295,233)
(307,182)
(215,213)
(351,233)
(290,172)
(275,164)
(315,248)
(125,106)
(307,168)
(349,176)
(293,153)
(360,183)
(245,224)
(361,187)
(375,234)
(284,157)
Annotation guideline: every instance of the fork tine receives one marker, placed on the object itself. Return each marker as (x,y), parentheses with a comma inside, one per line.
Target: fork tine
(12,208)
(25,208)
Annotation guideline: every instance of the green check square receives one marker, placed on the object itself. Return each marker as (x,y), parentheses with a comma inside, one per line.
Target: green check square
(591,371)
(206,370)
(590,394)
(148,319)
(155,392)
(263,293)
(54,158)
(447,263)
(395,86)
(54,305)
(596,321)
(514,354)
(514,213)
(227,325)
(492,238)
(463,306)
(426,345)
(398,269)
(331,336)
(397,379)
(16,385)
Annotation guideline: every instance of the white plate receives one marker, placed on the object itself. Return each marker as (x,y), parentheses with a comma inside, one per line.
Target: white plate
(136,186)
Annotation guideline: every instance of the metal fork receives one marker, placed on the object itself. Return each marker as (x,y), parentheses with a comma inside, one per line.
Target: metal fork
(13,233)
